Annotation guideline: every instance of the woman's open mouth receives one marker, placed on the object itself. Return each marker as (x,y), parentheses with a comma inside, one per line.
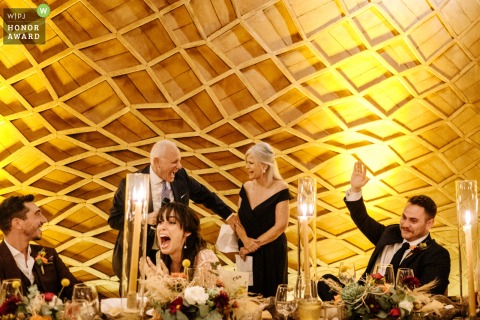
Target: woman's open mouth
(164,241)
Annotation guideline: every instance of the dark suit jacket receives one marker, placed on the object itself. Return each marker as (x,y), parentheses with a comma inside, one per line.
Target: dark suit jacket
(50,281)
(428,264)
(183,187)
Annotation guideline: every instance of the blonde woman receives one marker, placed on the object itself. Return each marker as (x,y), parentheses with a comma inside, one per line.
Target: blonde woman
(263,211)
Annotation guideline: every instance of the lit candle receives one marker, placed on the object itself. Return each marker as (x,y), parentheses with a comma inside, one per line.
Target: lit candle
(467,228)
(306,210)
(306,260)
(137,224)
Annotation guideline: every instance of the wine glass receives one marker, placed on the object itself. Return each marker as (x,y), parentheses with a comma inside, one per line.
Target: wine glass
(386,270)
(285,301)
(346,272)
(85,303)
(10,288)
(403,273)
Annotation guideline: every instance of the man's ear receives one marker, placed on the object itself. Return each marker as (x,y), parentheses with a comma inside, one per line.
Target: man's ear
(430,224)
(17,224)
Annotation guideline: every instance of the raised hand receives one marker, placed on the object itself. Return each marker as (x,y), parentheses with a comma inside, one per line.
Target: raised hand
(151,270)
(359,177)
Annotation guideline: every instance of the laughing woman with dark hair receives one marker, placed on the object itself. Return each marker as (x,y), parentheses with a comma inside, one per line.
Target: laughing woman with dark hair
(179,238)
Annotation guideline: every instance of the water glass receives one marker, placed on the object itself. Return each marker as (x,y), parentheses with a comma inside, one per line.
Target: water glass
(386,270)
(194,278)
(346,273)
(285,301)
(85,303)
(403,273)
(333,310)
(10,288)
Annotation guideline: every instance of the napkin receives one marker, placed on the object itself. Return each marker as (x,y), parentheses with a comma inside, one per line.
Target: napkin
(111,307)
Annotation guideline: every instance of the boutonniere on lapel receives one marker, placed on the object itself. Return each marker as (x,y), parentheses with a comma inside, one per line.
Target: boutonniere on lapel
(419,247)
(41,260)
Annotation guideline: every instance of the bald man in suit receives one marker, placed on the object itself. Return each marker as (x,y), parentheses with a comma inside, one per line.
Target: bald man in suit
(21,221)
(165,167)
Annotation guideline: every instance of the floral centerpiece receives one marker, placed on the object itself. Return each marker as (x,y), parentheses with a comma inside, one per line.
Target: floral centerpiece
(374,299)
(34,305)
(174,297)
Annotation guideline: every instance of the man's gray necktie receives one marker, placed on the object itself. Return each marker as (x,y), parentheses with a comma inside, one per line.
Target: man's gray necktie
(165,193)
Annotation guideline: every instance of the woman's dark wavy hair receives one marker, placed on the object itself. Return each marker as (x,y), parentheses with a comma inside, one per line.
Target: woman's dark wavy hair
(426,203)
(12,208)
(189,222)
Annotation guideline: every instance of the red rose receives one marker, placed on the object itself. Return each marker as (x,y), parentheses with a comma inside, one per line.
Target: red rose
(48,296)
(411,282)
(221,300)
(9,306)
(176,305)
(376,276)
(394,312)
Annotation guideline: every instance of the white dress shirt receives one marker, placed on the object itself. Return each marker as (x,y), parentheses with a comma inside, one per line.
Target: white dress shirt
(26,266)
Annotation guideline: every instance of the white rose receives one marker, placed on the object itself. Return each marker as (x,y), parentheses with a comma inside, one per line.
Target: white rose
(196,295)
(405,304)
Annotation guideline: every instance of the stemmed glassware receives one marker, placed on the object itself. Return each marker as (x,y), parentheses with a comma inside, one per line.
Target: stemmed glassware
(346,273)
(285,300)
(386,270)
(403,273)
(85,303)
(10,288)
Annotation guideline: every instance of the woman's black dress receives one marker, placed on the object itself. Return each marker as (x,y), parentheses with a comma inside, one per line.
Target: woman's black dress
(270,264)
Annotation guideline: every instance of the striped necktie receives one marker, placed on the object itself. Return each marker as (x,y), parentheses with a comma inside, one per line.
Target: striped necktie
(165,193)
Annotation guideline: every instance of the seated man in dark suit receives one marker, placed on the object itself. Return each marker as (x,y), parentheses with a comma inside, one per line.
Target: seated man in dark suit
(20,222)
(420,252)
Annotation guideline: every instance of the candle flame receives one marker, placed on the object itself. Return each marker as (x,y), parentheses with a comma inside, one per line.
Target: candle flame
(468,218)
(306,209)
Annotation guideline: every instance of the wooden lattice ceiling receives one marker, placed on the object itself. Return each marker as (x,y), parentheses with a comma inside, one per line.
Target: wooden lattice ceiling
(395,83)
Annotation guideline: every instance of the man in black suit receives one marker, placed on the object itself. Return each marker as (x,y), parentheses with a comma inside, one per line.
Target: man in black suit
(165,166)
(428,259)
(21,221)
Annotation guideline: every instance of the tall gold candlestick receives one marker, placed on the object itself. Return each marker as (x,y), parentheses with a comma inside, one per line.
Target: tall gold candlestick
(306,259)
(132,284)
(471,280)
(306,211)
(134,242)
(467,214)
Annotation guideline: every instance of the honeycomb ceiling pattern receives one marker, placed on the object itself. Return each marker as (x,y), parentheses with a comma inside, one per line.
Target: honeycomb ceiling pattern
(394,83)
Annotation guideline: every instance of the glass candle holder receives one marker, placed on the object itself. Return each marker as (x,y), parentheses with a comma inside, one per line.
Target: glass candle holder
(134,242)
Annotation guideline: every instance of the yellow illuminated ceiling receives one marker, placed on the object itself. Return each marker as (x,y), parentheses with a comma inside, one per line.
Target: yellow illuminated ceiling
(394,83)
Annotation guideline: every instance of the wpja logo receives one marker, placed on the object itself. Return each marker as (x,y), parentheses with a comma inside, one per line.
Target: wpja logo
(24,25)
